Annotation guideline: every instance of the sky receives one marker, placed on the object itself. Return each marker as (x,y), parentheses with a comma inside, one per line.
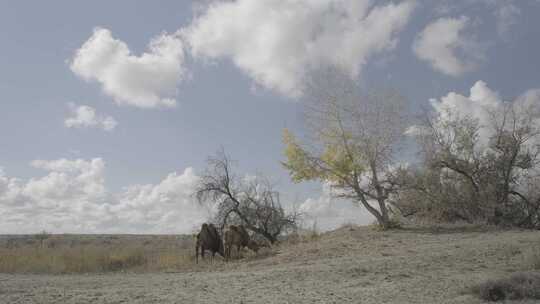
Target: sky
(109,109)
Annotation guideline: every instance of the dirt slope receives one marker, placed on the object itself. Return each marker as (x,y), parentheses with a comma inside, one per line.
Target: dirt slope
(351,265)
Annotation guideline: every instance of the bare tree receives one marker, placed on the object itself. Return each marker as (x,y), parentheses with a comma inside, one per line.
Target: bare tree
(352,144)
(453,168)
(250,201)
(477,179)
(514,158)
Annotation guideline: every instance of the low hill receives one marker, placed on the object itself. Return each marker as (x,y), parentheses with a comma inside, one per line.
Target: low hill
(349,265)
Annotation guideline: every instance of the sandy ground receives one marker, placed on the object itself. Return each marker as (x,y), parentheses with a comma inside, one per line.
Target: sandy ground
(351,265)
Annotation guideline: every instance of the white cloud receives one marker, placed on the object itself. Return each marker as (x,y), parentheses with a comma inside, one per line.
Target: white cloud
(146,81)
(276,42)
(480,104)
(10,189)
(85,116)
(72,197)
(328,213)
(167,206)
(447,45)
(68,178)
(505,12)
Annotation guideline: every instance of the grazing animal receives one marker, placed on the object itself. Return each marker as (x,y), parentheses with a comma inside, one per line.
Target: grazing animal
(238,237)
(208,239)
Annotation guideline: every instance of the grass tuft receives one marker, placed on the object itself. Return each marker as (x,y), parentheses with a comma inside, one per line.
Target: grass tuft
(519,286)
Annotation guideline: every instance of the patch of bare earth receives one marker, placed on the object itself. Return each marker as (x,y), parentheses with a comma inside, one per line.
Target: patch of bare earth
(350,265)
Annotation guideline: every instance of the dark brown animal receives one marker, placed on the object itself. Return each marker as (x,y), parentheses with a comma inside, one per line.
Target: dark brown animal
(208,239)
(237,236)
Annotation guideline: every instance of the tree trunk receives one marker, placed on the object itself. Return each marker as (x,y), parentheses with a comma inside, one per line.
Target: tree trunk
(385,219)
(382,217)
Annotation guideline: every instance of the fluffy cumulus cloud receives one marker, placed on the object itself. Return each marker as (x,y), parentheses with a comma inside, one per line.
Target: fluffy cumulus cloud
(275,42)
(10,190)
(480,104)
(72,197)
(327,213)
(505,13)
(86,117)
(448,46)
(167,206)
(146,81)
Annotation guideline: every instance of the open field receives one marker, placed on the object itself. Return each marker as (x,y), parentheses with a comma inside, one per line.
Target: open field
(350,265)
(61,254)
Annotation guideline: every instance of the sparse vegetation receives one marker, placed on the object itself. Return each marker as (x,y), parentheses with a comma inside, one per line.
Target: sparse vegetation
(409,265)
(477,171)
(250,201)
(303,235)
(42,236)
(96,254)
(518,286)
(84,259)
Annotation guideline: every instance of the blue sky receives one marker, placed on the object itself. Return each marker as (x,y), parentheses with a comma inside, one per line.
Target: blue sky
(234,72)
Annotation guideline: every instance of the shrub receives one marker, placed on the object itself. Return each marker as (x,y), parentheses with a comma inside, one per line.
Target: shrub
(482,166)
(250,201)
(519,286)
(42,236)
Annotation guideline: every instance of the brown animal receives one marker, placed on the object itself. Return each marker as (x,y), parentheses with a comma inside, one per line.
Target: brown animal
(238,236)
(208,239)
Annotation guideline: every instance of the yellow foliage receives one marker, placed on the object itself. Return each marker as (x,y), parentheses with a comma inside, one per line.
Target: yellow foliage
(337,158)
(334,163)
(298,162)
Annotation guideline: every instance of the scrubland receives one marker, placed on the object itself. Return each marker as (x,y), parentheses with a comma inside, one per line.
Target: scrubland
(64,254)
(349,265)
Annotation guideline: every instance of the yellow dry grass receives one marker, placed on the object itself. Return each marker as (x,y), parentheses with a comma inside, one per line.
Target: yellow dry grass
(89,254)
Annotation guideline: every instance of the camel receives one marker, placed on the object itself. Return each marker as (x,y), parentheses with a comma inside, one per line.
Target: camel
(238,236)
(208,239)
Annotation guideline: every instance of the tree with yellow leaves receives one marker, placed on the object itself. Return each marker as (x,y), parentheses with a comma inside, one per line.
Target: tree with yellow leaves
(353,139)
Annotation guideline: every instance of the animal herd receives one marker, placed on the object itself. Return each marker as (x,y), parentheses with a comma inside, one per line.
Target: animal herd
(209,239)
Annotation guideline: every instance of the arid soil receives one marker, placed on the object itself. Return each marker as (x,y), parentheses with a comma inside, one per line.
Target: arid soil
(350,265)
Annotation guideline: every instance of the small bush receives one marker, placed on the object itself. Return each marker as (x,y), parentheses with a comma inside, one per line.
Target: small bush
(42,236)
(393,223)
(303,235)
(519,286)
